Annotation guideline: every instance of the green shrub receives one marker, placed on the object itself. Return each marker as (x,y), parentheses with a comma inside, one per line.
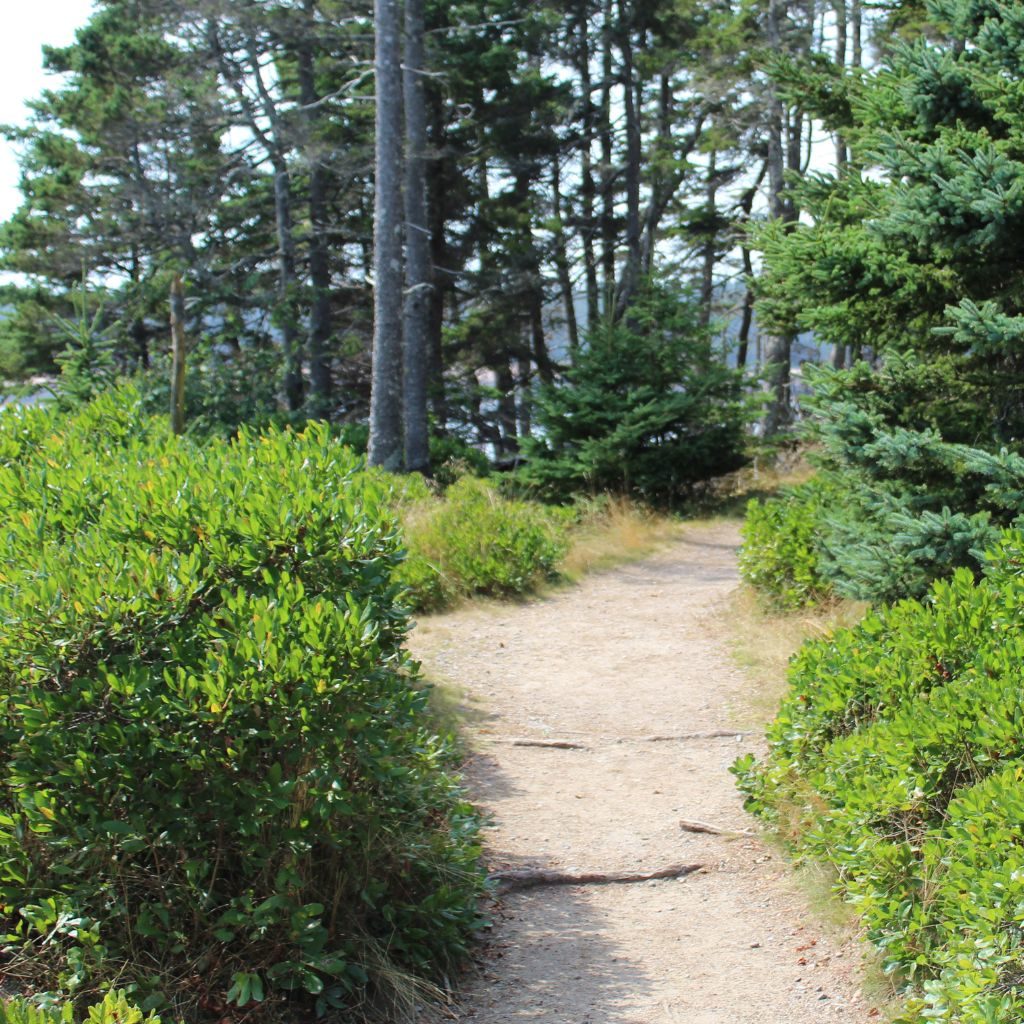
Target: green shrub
(898,756)
(474,541)
(780,556)
(114,1008)
(219,780)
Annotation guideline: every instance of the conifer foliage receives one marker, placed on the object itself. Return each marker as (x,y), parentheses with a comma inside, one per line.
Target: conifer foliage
(913,259)
(647,409)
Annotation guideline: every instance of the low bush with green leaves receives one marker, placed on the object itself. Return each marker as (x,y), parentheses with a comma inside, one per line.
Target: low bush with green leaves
(219,780)
(113,1008)
(473,540)
(780,556)
(898,756)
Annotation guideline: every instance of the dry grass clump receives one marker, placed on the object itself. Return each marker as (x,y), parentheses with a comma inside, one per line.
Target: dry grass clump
(763,477)
(764,640)
(613,531)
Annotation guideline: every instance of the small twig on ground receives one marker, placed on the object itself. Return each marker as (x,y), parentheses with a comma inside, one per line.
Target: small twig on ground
(713,830)
(527,878)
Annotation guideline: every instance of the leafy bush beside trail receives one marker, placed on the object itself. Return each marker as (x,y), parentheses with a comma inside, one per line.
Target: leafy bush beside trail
(779,557)
(474,541)
(113,1008)
(219,782)
(898,756)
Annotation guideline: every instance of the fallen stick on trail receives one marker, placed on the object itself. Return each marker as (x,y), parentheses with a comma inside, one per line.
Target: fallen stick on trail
(526,741)
(717,734)
(552,744)
(528,878)
(712,830)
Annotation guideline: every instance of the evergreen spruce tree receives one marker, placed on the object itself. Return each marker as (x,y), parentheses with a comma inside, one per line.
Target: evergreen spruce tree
(913,257)
(647,409)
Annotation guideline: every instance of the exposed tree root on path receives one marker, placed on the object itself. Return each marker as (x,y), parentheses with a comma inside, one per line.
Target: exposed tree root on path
(715,734)
(551,744)
(528,878)
(713,830)
(528,741)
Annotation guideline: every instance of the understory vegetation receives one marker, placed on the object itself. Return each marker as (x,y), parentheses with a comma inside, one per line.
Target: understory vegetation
(223,784)
(452,286)
(898,754)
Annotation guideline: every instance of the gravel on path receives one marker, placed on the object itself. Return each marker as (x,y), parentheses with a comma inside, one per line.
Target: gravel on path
(637,652)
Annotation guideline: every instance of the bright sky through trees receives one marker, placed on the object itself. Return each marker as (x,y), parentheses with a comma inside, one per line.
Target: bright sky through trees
(22,78)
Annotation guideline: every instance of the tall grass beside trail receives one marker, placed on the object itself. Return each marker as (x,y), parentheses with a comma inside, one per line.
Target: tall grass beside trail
(220,786)
(610,530)
(898,758)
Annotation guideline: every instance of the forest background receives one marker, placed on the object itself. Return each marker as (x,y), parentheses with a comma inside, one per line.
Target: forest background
(568,156)
(482,238)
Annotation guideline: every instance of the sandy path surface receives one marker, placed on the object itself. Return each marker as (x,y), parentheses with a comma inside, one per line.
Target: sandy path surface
(631,653)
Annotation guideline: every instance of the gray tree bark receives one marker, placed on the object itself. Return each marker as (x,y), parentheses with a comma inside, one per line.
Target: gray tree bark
(608,233)
(386,447)
(178,356)
(710,246)
(842,17)
(588,188)
(632,270)
(287,284)
(777,347)
(419,283)
(319,260)
(561,257)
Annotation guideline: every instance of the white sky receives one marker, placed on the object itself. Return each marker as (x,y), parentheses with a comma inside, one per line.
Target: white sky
(25,30)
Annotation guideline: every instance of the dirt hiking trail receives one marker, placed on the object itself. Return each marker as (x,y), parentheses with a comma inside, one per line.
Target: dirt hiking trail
(633,653)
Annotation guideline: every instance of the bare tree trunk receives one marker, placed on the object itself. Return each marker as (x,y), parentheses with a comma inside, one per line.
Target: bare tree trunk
(842,151)
(562,262)
(443,281)
(507,412)
(287,287)
(178,355)
(386,447)
(607,161)
(419,278)
(525,403)
(747,318)
(538,343)
(746,205)
(319,260)
(710,247)
(856,29)
(630,279)
(587,186)
(777,348)
(661,190)
(140,342)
